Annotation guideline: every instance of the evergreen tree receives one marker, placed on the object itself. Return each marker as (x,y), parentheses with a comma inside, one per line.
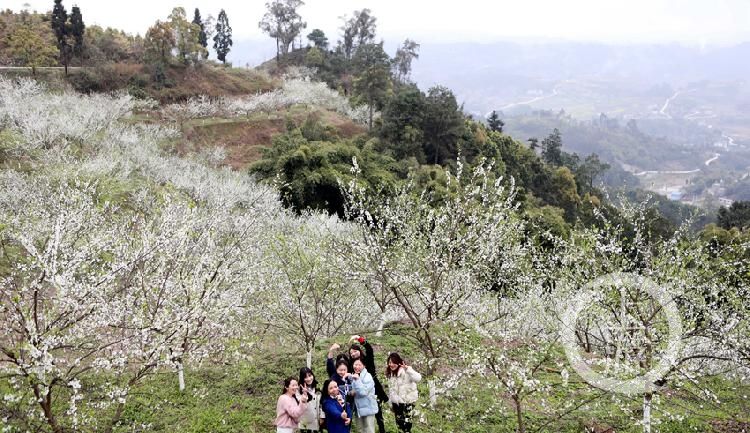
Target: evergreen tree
(202,37)
(443,125)
(365,25)
(187,37)
(319,39)
(533,143)
(402,121)
(159,42)
(357,31)
(77,30)
(494,122)
(552,148)
(61,28)
(737,215)
(588,171)
(223,37)
(373,77)
(314,57)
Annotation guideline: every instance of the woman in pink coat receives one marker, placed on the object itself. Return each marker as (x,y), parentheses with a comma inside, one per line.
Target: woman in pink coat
(288,409)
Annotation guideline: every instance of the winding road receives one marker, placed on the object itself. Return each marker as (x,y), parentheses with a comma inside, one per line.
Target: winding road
(663,110)
(706,163)
(641,173)
(730,140)
(709,161)
(530,101)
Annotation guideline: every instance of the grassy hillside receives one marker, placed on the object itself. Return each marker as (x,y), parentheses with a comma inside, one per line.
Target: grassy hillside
(173,83)
(245,138)
(242,398)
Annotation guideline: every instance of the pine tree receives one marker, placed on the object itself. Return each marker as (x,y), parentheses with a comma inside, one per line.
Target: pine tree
(223,38)
(494,122)
(77,30)
(202,37)
(552,148)
(443,125)
(61,28)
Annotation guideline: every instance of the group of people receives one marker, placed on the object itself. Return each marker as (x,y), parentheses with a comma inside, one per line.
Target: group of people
(353,394)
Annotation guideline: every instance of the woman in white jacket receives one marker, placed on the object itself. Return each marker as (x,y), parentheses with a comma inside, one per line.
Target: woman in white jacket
(402,390)
(310,420)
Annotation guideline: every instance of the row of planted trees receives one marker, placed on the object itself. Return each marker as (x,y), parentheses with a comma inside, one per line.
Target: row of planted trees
(119,261)
(188,39)
(58,37)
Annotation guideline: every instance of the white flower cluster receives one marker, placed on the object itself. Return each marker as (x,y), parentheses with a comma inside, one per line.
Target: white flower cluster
(294,91)
(56,120)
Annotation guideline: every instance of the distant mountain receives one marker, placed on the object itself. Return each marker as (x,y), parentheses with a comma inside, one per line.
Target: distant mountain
(505,70)
(559,61)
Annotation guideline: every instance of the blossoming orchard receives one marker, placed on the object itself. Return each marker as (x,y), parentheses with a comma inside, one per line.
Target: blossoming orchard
(122,264)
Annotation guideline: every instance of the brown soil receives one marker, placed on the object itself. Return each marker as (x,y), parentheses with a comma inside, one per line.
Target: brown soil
(244,139)
(731,427)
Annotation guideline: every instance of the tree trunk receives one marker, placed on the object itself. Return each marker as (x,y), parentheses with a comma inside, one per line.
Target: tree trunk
(381,324)
(308,358)
(647,412)
(46,404)
(181,375)
(427,340)
(115,418)
(433,393)
(519,415)
(370,116)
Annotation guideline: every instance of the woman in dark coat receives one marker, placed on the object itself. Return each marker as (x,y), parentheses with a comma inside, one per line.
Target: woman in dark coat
(338,411)
(361,348)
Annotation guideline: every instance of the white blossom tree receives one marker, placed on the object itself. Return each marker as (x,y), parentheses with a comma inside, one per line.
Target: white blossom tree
(660,313)
(57,301)
(435,258)
(307,294)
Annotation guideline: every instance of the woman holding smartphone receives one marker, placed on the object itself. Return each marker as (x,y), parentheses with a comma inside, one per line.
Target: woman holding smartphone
(338,412)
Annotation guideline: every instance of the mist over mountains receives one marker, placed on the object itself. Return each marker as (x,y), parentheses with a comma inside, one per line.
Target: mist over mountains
(506,69)
(558,61)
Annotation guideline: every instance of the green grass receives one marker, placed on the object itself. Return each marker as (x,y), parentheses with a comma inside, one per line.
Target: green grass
(242,398)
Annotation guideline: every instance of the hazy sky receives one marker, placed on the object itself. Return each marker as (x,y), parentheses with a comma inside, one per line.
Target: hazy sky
(689,21)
